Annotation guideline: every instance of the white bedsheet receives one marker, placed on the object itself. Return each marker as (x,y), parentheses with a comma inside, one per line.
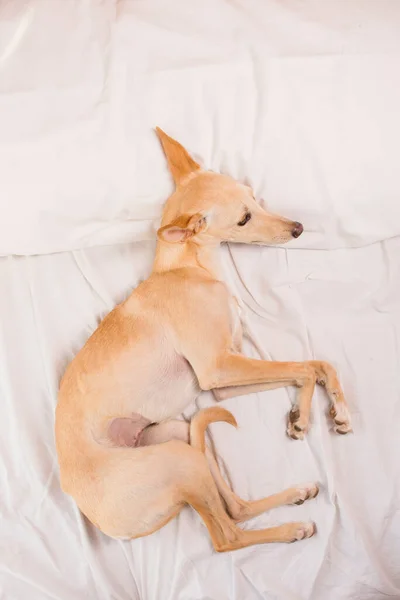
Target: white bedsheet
(341,306)
(302,99)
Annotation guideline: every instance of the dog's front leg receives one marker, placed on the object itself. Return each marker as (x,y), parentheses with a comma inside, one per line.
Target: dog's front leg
(225,393)
(238,371)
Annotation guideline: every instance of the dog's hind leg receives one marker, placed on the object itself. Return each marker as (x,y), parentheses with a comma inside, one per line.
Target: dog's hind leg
(174,429)
(242,510)
(148,487)
(238,509)
(201,493)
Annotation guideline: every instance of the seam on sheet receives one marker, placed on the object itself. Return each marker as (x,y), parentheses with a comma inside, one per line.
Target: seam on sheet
(124,548)
(6,394)
(38,335)
(46,485)
(82,535)
(81,262)
(51,395)
(245,288)
(27,581)
(289,595)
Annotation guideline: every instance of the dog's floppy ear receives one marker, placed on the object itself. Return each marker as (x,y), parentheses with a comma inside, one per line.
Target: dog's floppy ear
(180,163)
(182,228)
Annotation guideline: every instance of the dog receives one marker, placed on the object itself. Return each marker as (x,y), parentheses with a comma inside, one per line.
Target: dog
(128,463)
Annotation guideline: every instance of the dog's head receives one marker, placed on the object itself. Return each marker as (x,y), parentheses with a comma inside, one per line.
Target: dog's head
(208,207)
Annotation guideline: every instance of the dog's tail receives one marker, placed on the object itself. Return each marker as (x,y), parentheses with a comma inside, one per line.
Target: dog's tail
(203,419)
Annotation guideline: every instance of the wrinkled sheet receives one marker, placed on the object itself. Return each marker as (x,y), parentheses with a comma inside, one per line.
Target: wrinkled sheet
(341,306)
(301,98)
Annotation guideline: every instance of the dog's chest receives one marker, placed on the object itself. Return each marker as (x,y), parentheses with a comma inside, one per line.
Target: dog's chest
(236,312)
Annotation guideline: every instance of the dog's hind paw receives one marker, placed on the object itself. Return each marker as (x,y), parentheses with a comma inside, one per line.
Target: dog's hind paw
(304,492)
(300,531)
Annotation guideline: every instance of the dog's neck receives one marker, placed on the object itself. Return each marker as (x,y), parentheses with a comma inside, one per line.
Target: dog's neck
(170,257)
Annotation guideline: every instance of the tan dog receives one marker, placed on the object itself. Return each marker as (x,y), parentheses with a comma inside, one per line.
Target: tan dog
(128,465)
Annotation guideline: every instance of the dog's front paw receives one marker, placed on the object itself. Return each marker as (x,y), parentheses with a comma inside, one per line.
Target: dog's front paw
(341,418)
(297,424)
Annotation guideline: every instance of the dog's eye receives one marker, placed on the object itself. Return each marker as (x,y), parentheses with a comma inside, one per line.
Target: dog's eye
(245,219)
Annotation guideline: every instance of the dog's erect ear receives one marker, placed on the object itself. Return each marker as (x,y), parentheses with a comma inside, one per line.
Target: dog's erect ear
(182,228)
(180,163)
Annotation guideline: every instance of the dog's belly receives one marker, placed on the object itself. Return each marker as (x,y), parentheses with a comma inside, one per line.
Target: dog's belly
(172,386)
(169,386)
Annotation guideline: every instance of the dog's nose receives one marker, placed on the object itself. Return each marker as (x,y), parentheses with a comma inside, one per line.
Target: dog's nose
(297,229)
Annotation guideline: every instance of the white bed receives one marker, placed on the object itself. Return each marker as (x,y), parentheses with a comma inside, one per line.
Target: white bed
(300,97)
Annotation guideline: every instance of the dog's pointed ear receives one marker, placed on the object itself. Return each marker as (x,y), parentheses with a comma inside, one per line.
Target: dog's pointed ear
(182,228)
(180,163)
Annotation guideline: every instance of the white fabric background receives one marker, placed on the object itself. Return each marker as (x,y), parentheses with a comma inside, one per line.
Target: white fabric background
(299,97)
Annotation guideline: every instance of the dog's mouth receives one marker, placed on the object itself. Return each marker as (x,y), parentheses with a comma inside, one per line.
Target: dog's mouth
(277,240)
(285,236)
